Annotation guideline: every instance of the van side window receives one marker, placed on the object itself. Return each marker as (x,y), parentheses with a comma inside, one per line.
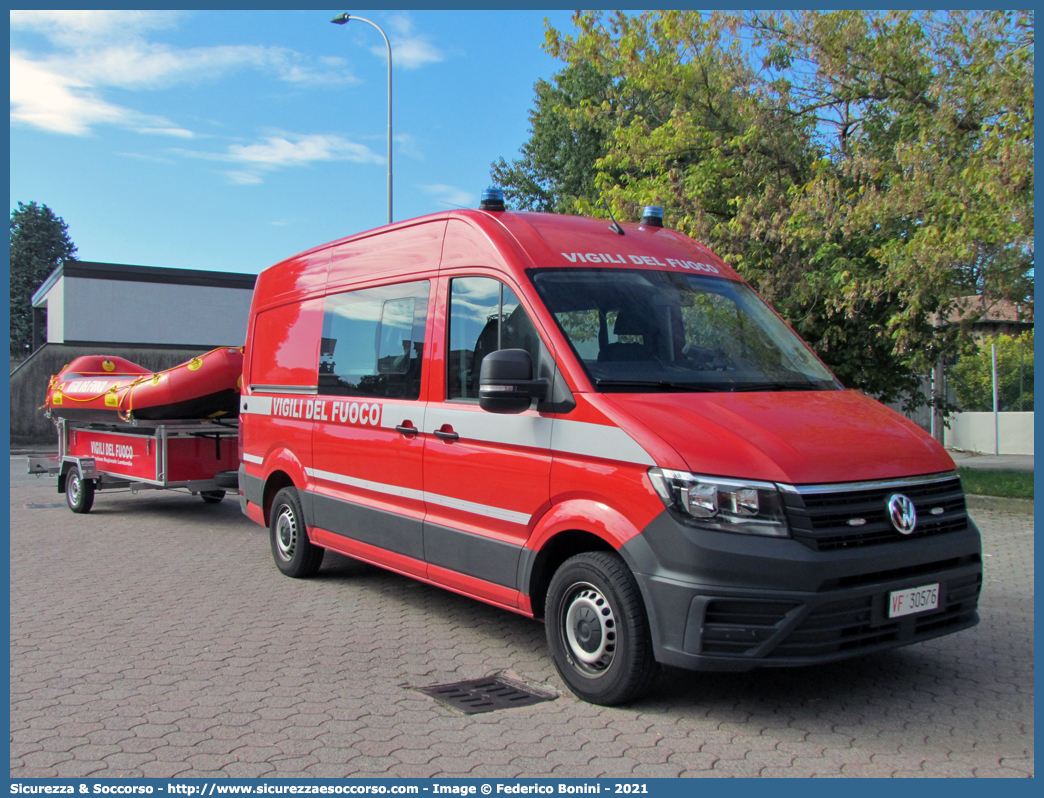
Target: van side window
(288,356)
(485,315)
(373,341)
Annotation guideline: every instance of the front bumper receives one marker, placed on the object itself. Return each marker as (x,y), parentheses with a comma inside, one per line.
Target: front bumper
(728,602)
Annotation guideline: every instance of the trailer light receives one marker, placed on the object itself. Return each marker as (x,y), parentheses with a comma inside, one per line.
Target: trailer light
(725,505)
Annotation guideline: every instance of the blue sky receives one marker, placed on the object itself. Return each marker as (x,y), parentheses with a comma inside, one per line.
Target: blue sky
(228,140)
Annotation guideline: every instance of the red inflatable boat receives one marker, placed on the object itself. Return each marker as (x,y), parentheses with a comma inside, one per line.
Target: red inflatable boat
(102,388)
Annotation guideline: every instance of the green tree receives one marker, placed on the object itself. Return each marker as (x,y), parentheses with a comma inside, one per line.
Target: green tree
(862,170)
(39,243)
(557,166)
(972,377)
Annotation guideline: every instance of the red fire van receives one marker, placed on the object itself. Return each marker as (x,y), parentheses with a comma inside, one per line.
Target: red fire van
(598,425)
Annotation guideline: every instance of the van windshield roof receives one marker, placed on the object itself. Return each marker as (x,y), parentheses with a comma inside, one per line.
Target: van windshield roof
(640,330)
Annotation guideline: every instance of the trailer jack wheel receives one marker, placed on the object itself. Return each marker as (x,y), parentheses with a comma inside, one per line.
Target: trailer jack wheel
(212,496)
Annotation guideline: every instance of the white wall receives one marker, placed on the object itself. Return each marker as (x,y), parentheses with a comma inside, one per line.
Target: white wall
(55,301)
(976,432)
(122,311)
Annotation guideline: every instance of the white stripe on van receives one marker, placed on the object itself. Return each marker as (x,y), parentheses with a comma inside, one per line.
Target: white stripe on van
(253,458)
(478,509)
(597,440)
(411,493)
(257,405)
(366,484)
(505,429)
(557,435)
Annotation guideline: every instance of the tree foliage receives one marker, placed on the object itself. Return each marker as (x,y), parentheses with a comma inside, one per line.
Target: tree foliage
(39,243)
(559,162)
(972,377)
(862,169)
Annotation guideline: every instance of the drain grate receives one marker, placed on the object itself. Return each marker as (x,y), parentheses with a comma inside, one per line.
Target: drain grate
(486,695)
(49,506)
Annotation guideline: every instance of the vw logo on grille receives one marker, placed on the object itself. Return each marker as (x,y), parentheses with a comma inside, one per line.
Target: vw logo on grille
(902,513)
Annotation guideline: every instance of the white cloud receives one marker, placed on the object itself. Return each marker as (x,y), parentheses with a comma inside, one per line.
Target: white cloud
(244,178)
(407,144)
(284,150)
(409,50)
(165,131)
(449,195)
(75,29)
(297,150)
(62,90)
(65,104)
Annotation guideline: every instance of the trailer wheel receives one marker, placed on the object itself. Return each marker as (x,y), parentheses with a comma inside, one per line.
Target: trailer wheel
(295,555)
(212,496)
(597,631)
(79,492)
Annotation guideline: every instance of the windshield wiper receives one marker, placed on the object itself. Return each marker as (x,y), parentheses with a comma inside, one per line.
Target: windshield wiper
(663,385)
(777,386)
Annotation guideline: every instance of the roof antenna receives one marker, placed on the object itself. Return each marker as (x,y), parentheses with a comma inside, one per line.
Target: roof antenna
(614,226)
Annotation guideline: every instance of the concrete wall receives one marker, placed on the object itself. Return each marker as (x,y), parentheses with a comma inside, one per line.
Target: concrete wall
(977,432)
(161,313)
(29,382)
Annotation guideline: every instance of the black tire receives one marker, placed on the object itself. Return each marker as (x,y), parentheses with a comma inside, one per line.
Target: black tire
(79,492)
(294,554)
(212,496)
(227,480)
(597,630)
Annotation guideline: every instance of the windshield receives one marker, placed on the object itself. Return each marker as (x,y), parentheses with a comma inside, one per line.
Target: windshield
(645,330)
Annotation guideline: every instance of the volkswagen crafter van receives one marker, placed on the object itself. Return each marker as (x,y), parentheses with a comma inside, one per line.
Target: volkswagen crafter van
(601,426)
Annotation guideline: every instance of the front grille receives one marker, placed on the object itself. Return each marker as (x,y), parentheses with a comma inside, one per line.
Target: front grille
(738,628)
(735,626)
(847,626)
(835,628)
(870,578)
(828,518)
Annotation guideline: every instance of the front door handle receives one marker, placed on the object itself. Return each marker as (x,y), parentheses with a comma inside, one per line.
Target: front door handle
(406,428)
(446,433)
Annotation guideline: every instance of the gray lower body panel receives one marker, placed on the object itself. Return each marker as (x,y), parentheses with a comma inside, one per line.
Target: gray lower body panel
(484,558)
(398,533)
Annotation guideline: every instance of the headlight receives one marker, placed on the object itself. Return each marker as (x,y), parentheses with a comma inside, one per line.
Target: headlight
(725,505)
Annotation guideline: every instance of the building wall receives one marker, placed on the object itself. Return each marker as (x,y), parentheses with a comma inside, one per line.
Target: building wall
(56,312)
(124,311)
(29,381)
(977,432)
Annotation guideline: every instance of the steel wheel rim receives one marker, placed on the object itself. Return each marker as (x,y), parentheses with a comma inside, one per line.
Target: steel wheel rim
(590,630)
(74,488)
(286,533)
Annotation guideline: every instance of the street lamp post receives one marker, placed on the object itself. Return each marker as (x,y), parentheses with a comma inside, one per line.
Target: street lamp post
(342,19)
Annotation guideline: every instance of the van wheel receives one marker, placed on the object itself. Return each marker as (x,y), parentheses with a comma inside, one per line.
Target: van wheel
(79,492)
(212,496)
(295,555)
(597,631)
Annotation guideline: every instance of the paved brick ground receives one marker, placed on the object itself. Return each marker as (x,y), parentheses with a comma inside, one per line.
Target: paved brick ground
(154,637)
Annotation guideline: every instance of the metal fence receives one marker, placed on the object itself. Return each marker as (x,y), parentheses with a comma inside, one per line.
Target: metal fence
(997,377)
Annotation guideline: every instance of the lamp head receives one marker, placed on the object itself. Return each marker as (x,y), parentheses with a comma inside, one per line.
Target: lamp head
(341,19)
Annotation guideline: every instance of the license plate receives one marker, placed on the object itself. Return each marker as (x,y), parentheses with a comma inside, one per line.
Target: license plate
(913,600)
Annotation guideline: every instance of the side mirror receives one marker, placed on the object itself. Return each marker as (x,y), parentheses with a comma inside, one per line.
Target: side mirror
(506,383)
